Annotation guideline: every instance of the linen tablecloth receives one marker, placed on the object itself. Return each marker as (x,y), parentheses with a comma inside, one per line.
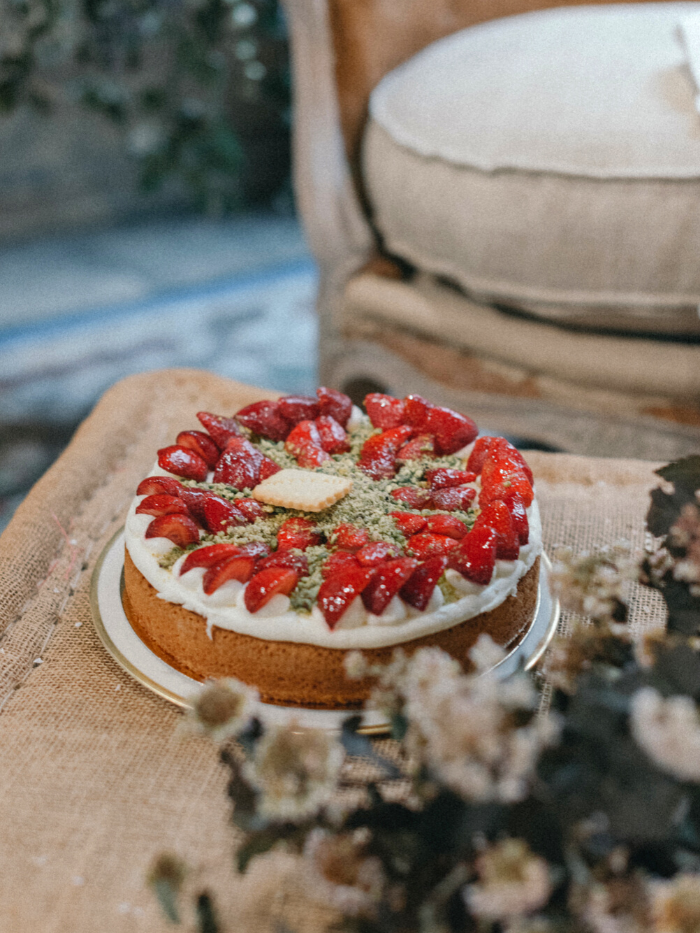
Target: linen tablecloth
(95,777)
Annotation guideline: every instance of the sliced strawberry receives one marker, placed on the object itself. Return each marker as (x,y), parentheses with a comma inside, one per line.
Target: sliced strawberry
(386,583)
(256,549)
(499,451)
(480,452)
(446,477)
(161,505)
(208,556)
(512,487)
(416,410)
(251,509)
(220,429)
(268,468)
(413,497)
(498,469)
(408,523)
(194,499)
(220,515)
(427,545)
(182,462)
(239,465)
(180,529)
(239,567)
(378,454)
(337,562)
(298,532)
(237,470)
(503,449)
(497,515)
(157,485)
(419,587)
(334,403)
(288,559)
(334,439)
(446,525)
(304,443)
(350,537)
(337,592)
(268,583)
(264,418)
(384,411)
(421,446)
(454,498)
(475,556)
(452,431)
(296,408)
(241,445)
(372,555)
(519,515)
(201,444)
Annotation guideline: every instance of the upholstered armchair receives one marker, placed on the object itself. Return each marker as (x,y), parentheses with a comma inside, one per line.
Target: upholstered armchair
(508,220)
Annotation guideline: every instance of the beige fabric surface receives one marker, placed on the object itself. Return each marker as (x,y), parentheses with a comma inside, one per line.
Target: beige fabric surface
(95,779)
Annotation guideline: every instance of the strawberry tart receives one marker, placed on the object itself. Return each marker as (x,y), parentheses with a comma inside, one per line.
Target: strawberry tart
(274,541)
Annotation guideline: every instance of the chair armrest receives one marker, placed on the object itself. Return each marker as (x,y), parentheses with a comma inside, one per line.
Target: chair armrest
(335,225)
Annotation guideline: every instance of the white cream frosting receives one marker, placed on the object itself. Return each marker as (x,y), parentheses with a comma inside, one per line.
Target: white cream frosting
(225,608)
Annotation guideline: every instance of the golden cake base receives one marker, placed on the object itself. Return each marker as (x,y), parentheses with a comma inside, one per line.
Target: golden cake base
(292,673)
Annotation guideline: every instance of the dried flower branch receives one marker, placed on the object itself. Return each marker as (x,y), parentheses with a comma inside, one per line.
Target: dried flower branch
(593,583)
(295,771)
(669,732)
(513,882)
(222,710)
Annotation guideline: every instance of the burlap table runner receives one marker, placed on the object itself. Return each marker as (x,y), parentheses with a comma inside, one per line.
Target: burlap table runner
(95,779)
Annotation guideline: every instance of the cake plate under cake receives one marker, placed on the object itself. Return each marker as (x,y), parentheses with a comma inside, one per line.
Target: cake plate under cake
(127,649)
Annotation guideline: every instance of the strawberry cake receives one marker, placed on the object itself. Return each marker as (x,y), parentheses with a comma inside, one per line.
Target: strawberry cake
(276,540)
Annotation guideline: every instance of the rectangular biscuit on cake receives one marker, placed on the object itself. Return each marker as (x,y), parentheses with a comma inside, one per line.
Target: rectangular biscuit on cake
(300,489)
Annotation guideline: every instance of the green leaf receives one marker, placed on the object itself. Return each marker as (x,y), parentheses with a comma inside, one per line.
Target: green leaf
(677,671)
(206,918)
(259,843)
(166,878)
(361,746)
(665,507)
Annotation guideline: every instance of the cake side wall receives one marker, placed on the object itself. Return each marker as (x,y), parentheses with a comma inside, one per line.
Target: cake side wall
(293,673)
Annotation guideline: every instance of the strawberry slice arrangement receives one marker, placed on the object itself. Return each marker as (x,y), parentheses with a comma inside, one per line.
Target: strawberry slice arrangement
(420,504)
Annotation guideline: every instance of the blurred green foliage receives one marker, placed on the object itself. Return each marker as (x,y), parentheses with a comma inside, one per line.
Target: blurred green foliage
(199,88)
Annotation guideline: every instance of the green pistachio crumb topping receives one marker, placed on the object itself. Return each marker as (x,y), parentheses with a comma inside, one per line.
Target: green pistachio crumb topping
(368,505)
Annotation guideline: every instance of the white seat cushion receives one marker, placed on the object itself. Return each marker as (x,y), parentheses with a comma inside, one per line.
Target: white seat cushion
(549,162)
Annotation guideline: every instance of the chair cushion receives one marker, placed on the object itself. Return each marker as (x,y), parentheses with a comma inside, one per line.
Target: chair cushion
(549,162)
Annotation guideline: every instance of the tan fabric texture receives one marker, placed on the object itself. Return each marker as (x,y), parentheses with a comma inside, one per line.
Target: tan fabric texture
(95,778)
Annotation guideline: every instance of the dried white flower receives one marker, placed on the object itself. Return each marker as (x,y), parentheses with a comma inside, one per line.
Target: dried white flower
(668,730)
(620,906)
(355,665)
(486,654)
(463,727)
(512,881)
(675,904)
(341,874)
(295,771)
(222,710)
(593,583)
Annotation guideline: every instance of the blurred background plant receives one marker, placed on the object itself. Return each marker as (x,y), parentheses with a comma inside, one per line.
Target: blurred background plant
(199,89)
